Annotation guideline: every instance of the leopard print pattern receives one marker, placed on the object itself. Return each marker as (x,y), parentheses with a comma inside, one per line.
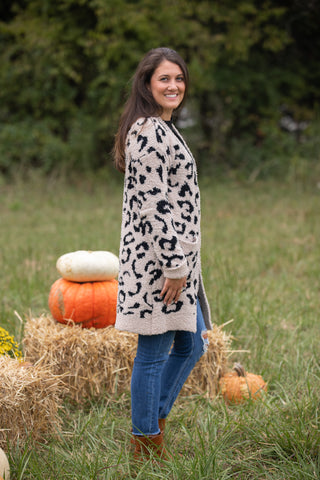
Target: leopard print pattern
(160,232)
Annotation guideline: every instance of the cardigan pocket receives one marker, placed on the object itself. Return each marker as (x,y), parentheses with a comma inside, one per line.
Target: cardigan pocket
(190,247)
(190,243)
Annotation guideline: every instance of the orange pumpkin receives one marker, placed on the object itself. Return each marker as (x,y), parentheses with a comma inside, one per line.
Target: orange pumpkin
(238,385)
(91,304)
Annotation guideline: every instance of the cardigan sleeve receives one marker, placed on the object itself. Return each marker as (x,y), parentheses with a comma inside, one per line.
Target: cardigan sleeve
(148,163)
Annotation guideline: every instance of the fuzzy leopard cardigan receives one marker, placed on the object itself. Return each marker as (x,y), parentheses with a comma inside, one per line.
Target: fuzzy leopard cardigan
(160,232)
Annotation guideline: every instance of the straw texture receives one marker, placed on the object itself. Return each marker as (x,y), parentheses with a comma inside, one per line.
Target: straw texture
(95,361)
(30,398)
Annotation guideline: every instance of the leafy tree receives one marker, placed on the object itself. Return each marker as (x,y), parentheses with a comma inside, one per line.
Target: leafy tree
(66,68)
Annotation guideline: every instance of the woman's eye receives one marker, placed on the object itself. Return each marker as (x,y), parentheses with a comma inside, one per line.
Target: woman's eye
(178,79)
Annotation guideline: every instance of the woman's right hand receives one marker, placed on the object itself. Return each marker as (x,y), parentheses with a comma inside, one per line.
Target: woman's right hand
(172,289)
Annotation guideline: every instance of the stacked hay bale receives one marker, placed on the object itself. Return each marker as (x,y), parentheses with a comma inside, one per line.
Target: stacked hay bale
(98,360)
(30,398)
(95,361)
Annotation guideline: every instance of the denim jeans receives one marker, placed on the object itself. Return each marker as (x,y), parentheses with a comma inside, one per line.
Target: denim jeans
(160,371)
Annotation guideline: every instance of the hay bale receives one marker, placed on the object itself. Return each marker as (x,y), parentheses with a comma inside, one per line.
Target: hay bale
(204,378)
(30,397)
(99,360)
(93,360)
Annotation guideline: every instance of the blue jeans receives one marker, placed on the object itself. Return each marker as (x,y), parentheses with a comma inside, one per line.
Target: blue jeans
(160,371)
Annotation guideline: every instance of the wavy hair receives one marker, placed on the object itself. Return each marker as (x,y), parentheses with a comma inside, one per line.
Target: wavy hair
(141,102)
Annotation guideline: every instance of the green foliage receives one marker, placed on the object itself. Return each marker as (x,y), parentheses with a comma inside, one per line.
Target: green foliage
(277,154)
(34,143)
(66,67)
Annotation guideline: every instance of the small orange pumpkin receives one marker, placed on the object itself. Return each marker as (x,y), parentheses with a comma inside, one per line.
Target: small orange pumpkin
(238,385)
(91,304)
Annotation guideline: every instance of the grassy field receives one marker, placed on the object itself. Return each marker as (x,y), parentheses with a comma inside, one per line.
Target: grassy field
(260,255)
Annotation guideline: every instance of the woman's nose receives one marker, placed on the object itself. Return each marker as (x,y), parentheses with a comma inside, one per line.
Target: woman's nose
(173,85)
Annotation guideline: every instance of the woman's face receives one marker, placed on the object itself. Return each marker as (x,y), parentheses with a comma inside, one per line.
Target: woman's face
(167,86)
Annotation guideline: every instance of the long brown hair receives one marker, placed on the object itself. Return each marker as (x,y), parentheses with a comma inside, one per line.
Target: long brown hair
(141,102)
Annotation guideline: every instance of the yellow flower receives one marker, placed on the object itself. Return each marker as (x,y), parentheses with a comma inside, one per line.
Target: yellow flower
(8,346)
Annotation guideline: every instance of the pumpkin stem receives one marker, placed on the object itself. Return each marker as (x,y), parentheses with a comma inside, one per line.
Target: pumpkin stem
(239,369)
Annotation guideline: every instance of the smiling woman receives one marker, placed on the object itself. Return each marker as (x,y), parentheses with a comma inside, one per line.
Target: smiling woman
(161,295)
(141,103)
(167,87)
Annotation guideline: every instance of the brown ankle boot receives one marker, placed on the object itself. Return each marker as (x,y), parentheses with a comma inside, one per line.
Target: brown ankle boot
(162,424)
(145,445)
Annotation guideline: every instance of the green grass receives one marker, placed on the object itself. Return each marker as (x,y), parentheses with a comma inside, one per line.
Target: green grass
(260,255)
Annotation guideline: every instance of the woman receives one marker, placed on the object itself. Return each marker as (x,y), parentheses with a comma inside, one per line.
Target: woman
(161,295)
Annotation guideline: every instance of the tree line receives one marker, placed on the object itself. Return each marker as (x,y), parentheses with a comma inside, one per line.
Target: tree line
(66,65)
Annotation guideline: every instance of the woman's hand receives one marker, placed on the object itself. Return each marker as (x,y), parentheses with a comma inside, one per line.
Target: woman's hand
(172,289)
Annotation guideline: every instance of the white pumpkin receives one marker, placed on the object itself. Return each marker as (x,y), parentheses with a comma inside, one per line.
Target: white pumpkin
(4,466)
(87,266)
